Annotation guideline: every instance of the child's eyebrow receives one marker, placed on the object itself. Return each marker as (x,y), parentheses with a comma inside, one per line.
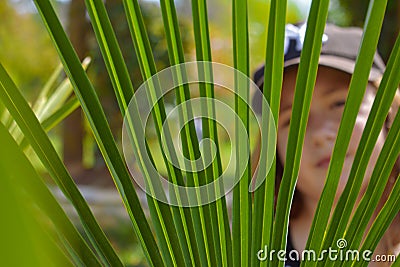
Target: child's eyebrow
(330,90)
(335,89)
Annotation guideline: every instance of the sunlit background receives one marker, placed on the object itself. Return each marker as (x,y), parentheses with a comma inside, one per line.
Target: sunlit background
(29,56)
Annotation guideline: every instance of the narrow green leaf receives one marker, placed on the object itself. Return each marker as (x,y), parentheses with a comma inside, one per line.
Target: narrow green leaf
(47,89)
(376,120)
(263,212)
(111,52)
(382,222)
(57,248)
(218,210)
(55,101)
(397,262)
(190,146)
(51,101)
(70,106)
(306,77)
(96,117)
(32,130)
(380,176)
(55,118)
(39,194)
(182,216)
(241,222)
(2,112)
(124,90)
(5,117)
(48,106)
(31,193)
(356,92)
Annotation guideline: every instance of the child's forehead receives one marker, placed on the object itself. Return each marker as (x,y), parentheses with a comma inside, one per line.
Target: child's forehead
(324,73)
(327,79)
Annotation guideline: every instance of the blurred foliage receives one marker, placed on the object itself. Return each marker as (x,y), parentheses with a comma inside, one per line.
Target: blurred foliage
(31,69)
(353,13)
(25,239)
(153,20)
(220,20)
(22,35)
(258,26)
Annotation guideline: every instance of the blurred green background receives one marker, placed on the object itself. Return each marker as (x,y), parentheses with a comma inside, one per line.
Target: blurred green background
(29,56)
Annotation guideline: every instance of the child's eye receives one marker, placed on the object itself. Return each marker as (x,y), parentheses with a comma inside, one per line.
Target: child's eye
(338,104)
(284,119)
(286,122)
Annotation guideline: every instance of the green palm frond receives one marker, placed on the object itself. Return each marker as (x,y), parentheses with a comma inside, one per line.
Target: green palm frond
(203,234)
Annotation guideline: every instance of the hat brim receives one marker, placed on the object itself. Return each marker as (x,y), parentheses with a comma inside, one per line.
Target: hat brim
(339,63)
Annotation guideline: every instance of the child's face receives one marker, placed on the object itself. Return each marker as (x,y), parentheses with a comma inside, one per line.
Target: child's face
(323,123)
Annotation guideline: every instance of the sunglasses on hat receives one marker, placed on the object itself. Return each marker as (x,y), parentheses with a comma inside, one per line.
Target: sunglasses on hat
(339,50)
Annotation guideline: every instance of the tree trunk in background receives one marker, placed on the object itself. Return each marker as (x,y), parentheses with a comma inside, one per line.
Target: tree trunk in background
(73,125)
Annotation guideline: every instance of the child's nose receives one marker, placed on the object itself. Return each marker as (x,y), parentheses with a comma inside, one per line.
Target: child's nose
(322,130)
(323,138)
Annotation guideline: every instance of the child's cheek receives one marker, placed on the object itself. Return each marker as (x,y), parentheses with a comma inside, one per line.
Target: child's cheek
(357,132)
(362,116)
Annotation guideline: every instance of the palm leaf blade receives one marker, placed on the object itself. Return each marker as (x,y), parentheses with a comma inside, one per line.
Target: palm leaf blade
(306,77)
(92,108)
(359,81)
(39,141)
